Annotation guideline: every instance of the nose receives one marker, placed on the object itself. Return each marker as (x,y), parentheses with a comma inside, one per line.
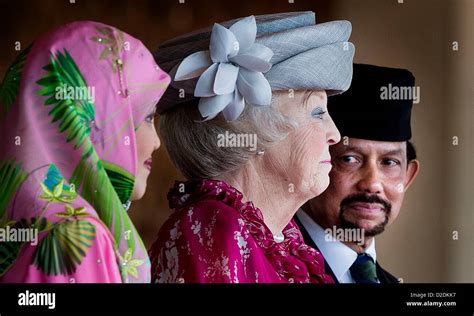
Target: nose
(333,135)
(156,139)
(370,179)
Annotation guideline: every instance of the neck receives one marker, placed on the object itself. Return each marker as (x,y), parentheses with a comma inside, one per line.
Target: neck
(269,193)
(358,247)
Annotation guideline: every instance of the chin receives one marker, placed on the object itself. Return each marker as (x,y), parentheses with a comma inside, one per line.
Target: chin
(371,228)
(138,192)
(321,185)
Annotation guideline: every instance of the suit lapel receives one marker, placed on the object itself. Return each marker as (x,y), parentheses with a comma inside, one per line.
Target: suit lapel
(385,277)
(307,238)
(310,242)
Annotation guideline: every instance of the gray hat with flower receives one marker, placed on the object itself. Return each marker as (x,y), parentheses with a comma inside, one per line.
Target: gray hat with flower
(242,61)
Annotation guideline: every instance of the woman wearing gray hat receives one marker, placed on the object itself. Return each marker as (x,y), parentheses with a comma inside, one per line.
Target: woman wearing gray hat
(245,121)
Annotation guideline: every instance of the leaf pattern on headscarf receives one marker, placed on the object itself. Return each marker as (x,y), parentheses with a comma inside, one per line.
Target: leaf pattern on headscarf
(12,176)
(122,180)
(63,249)
(9,250)
(11,82)
(91,177)
(114,43)
(54,188)
(75,115)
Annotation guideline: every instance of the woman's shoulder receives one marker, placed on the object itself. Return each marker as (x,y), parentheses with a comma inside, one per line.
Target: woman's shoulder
(206,241)
(206,213)
(202,226)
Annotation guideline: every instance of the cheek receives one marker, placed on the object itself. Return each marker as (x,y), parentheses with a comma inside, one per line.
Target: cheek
(140,179)
(308,148)
(339,182)
(144,137)
(140,183)
(140,135)
(328,203)
(338,189)
(395,197)
(342,181)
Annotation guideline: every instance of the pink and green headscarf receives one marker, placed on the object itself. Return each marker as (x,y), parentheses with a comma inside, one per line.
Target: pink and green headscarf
(70,106)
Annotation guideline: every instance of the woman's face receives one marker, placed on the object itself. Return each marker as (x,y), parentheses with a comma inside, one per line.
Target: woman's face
(303,157)
(147,143)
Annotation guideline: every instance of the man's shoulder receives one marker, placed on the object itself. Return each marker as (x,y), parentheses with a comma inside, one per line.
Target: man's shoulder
(384,276)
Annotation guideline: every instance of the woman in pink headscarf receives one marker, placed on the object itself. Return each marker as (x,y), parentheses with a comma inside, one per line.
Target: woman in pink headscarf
(78,134)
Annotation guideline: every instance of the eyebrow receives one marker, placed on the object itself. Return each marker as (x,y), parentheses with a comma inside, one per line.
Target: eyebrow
(358,150)
(348,148)
(306,103)
(311,105)
(394,152)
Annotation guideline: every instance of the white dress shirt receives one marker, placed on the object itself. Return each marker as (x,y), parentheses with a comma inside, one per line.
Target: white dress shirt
(338,256)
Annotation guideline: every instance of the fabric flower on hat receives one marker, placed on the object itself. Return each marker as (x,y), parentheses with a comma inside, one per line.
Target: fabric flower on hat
(230,72)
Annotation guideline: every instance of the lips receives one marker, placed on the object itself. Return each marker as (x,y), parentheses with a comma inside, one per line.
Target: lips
(326,162)
(147,164)
(366,207)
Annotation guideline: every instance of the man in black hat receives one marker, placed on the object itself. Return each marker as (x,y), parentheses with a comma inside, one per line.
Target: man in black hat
(372,167)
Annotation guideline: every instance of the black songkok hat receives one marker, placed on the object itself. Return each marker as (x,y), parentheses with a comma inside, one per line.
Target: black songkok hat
(377,105)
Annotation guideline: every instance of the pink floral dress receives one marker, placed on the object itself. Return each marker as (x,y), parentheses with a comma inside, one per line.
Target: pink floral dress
(214,237)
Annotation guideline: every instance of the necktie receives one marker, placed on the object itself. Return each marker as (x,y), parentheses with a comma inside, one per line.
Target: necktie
(363,269)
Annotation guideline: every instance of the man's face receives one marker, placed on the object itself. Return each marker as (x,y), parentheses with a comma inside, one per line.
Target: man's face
(368,182)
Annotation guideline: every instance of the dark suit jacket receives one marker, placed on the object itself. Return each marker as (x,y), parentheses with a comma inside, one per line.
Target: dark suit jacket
(383,276)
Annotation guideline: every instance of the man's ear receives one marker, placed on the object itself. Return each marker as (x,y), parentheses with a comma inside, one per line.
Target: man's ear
(412,170)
